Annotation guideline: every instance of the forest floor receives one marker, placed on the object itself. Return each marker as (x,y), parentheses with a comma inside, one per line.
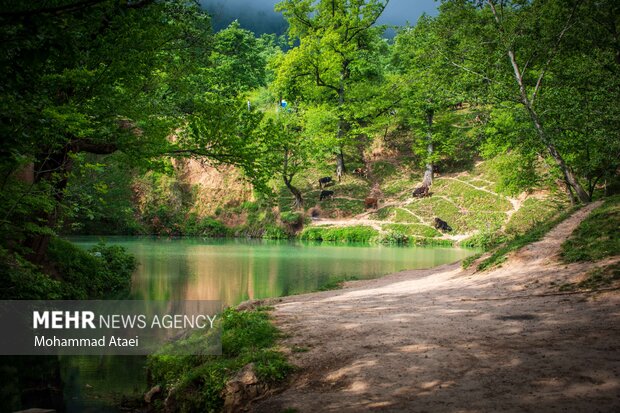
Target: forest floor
(448,339)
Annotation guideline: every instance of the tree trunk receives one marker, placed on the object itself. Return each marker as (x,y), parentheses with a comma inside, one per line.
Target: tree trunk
(429,172)
(298,202)
(569,176)
(340,166)
(342,125)
(287,176)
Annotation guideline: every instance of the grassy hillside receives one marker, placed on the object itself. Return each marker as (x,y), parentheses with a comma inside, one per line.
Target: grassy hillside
(467,200)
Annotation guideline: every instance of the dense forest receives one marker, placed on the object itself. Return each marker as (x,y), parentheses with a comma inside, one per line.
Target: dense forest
(105,104)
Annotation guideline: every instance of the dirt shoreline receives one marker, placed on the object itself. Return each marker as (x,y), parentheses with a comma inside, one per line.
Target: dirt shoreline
(448,340)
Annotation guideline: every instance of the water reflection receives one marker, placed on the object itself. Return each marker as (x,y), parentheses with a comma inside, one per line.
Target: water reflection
(237,270)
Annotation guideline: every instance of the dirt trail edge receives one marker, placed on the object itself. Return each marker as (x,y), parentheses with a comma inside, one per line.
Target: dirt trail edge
(439,340)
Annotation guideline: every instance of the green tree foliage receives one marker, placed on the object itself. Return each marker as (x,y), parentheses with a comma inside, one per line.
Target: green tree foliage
(114,76)
(335,62)
(558,61)
(436,96)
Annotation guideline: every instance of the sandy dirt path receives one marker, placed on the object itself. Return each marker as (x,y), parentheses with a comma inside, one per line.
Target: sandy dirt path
(448,340)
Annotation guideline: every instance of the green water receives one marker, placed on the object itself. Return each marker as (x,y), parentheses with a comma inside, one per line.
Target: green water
(231,271)
(236,270)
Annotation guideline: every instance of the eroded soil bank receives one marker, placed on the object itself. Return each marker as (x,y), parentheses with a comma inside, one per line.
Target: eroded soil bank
(450,340)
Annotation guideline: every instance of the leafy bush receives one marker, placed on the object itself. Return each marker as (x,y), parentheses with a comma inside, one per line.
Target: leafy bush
(21,280)
(515,172)
(394,237)
(198,381)
(340,234)
(291,218)
(205,227)
(275,232)
(101,272)
(484,240)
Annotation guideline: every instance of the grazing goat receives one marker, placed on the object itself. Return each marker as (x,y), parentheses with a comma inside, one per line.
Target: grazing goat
(325,195)
(442,225)
(371,203)
(421,192)
(324,181)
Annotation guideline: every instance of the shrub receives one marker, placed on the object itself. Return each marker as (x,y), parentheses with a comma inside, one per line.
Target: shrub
(484,240)
(101,272)
(362,234)
(275,232)
(418,230)
(21,280)
(198,381)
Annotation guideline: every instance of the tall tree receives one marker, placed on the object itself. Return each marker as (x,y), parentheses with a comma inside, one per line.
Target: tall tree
(432,88)
(525,41)
(336,40)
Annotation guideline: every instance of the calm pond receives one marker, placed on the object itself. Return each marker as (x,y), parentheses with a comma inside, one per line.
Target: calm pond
(232,271)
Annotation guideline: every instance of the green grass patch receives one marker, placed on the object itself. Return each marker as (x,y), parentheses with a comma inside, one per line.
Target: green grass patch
(358,233)
(467,262)
(468,197)
(396,187)
(401,215)
(500,254)
(417,230)
(198,381)
(598,236)
(383,169)
(461,220)
(383,214)
(532,212)
(338,207)
(429,208)
(354,189)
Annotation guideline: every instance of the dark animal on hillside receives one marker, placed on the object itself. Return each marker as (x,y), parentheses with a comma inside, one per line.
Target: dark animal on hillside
(371,203)
(325,195)
(324,181)
(360,172)
(421,192)
(442,225)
